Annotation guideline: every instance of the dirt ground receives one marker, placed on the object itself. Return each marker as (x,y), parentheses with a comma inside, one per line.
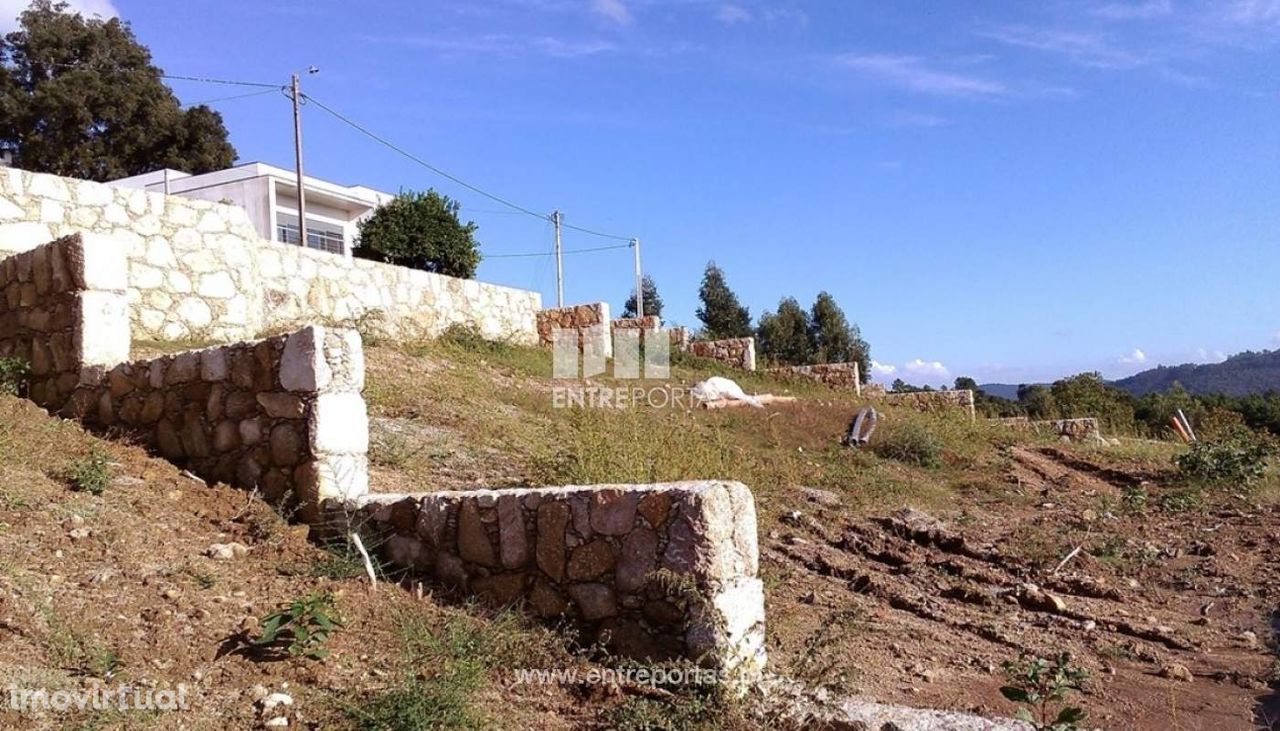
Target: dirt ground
(883,579)
(1169,611)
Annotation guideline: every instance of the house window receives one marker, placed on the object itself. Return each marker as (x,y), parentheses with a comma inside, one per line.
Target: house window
(319,235)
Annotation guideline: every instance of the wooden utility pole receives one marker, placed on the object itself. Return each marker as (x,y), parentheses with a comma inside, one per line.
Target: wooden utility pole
(555,219)
(297,157)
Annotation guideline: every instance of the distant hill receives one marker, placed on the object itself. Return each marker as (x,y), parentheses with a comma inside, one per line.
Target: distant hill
(1239,375)
(1003,390)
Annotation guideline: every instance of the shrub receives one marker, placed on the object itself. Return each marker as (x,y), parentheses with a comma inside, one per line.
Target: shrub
(422,231)
(14,373)
(1040,686)
(910,440)
(1238,458)
(305,623)
(90,474)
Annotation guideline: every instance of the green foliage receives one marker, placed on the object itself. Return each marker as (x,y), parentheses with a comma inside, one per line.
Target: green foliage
(684,708)
(1041,687)
(652,300)
(783,337)
(911,440)
(1236,460)
(91,473)
(14,373)
(1087,394)
(834,340)
(422,231)
(721,314)
(80,97)
(305,623)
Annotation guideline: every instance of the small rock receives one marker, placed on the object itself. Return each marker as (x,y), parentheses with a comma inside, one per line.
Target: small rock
(75,521)
(1175,671)
(78,533)
(1089,516)
(277,722)
(226,551)
(258,692)
(277,699)
(1249,638)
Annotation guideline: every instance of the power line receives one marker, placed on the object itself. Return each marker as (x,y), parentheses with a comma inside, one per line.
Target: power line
(231,98)
(498,199)
(387,143)
(552,253)
(206,80)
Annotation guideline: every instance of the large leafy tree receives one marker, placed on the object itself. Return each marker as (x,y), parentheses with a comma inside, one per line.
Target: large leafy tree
(652,300)
(721,314)
(80,97)
(422,231)
(834,339)
(784,336)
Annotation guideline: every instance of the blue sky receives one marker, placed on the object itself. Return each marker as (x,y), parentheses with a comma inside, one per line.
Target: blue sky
(1013,191)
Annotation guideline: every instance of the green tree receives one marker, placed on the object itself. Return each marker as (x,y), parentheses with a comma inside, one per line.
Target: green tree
(80,97)
(967,383)
(721,314)
(422,231)
(784,337)
(834,340)
(1086,394)
(1038,401)
(652,300)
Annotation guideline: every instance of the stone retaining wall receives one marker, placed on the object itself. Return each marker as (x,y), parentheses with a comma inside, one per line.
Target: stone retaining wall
(591,320)
(737,352)
(648,322)
(1075,429)
(654,571)
(680,337)
(283,415)
(932,400)
(64,309)
(198,269)
(835,375)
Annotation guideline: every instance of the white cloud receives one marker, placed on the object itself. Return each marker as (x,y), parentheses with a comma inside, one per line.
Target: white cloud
(730,14)
(1210,356)
(1137,356)
(1257,13)
(883,369)
(1135,11)
(913,73)
(11,9)
(501,44)
(613,10)
(927,368)
(1083,48)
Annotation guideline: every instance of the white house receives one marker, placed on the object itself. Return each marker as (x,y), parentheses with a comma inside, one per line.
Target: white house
(269,194)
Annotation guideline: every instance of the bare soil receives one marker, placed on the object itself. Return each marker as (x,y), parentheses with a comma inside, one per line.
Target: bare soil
(905,608)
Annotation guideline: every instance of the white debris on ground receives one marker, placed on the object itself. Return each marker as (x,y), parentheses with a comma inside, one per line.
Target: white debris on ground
(719,388)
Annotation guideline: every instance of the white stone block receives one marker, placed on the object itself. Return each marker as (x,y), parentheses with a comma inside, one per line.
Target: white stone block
(194,312)
(102,328)
(15,237)
(106,265)
(342,477)
(218,285)
(339,424)
(89,193)
(49,186)
(355,357)
(302,365)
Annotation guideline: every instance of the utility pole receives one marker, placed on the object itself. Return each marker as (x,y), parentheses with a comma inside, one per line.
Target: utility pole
(635,247)
(555,219)
(297,158)
(297,154)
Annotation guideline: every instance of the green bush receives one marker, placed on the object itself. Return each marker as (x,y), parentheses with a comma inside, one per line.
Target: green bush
(909,440)
(1238,458)
(90,474)
(304,623)
(14,373)
(422,231)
